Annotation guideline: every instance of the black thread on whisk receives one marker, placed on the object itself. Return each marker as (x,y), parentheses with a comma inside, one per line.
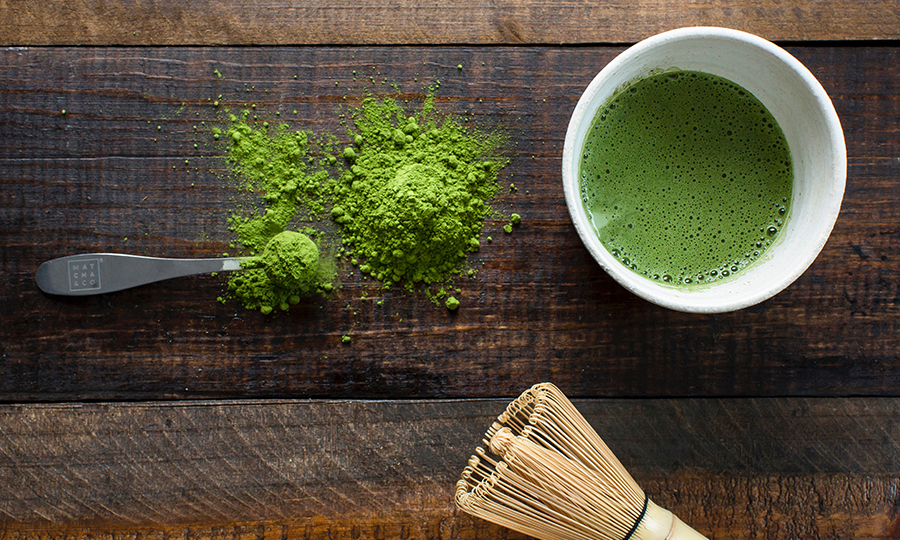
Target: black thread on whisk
(638,520)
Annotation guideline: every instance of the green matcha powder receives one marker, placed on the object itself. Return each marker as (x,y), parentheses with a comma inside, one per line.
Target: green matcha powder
(410,195)
(414,199)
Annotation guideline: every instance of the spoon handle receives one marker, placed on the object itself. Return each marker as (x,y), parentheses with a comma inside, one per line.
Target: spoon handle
(99,273)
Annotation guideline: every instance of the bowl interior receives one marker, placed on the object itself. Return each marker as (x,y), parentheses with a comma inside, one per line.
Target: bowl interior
(805,115)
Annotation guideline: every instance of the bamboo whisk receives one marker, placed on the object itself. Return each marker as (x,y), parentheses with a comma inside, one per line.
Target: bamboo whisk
(557,480)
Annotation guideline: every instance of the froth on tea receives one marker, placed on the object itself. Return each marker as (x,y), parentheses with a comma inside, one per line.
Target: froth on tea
(686,177)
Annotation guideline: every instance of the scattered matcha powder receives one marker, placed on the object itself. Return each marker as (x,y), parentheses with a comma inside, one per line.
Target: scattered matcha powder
(285,265)
(410,203)
(414,199)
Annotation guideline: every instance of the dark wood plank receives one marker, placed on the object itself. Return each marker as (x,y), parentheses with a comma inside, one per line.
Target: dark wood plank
(329,22)
(113,168)
(733,468)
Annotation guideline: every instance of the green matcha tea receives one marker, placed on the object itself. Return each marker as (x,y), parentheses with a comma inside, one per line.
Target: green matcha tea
(686,177)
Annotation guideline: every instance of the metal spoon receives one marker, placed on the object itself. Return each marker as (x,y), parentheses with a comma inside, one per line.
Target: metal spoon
(99,273)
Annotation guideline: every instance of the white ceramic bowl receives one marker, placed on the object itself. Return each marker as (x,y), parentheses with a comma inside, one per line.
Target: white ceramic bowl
(806,116)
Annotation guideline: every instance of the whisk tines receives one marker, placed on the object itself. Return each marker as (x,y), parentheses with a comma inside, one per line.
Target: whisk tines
(554,478)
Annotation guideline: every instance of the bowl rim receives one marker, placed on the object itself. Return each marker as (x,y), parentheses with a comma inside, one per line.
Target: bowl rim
(680,299)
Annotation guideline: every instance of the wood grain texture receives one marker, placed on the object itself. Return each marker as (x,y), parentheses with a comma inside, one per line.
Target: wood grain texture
(119,172)
(733,468)
(329,22)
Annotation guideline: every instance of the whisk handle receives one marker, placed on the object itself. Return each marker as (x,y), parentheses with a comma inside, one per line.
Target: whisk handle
(660,524)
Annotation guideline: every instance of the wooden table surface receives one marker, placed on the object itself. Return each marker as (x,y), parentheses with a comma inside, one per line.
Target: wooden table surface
(159,412)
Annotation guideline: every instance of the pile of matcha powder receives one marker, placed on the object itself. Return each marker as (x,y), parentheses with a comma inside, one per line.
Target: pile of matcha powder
(409,195)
